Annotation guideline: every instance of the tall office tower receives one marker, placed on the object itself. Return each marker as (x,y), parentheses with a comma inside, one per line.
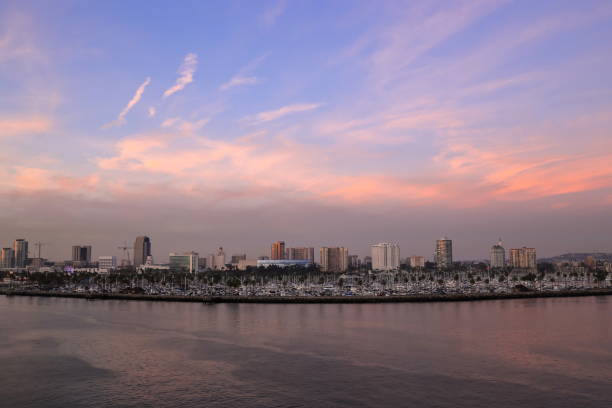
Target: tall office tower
(301,253)
(7,259)
(278,250)
(142,249)
(81,254)
(20,250)
(219,259)
(187,262)
(237,258)
(353,261)
(334,259)
(385,257)
(498,255)
(444,253)
(524,258)
(417,262)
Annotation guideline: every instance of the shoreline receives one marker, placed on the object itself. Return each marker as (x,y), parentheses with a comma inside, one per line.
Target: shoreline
(313,299)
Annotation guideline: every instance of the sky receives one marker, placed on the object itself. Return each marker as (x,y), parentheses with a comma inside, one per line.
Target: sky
(321,123)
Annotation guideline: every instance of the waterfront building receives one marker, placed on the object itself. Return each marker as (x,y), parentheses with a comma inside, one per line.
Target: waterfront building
(444,253)
(81,254)
(278,250)
(237,258)
(301,253)
(283,262)
(7,258)
(217,261)
(20,253)
(142,249)
(417,261)
(107,262)
(334,259)
(187,262)
(385,257)
(523,258)
(498,255)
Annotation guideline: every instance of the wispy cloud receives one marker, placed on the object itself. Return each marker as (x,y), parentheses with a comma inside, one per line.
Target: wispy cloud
(244,77)
(151,111)
(185,126)
(239,80)
(284,111)
(135,99)
(271,14)
(185,72)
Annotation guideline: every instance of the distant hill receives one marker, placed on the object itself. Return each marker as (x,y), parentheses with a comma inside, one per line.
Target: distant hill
(579,257)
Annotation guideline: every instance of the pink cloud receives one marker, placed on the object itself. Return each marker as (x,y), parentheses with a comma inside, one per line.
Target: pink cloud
(24,125)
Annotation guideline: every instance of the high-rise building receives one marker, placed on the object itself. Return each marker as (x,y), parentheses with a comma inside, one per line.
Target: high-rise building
(220,258)
(353,261)
(203,263)
(334,259)
(187,262)
(444,253)
(385,257)
(301,253)
(107,262)
(8,258)
(20,252)
(498,255)
(217,261)
(417,261)
(81,254)
(237,258)
(523,258)
(142,249)
(278,250)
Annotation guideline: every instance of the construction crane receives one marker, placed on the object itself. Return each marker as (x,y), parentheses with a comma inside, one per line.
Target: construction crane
(39,245)
(126,251)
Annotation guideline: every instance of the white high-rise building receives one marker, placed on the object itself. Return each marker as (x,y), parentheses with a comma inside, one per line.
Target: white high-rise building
(498,255)
(385,257)
(216,261)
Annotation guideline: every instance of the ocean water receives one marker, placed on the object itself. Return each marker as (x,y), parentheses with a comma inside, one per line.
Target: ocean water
(509,353)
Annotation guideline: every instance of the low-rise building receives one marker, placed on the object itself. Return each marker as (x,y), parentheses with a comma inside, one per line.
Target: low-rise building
(187,262)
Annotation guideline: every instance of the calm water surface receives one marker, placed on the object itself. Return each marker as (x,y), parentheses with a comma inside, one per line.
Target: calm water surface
(508,353)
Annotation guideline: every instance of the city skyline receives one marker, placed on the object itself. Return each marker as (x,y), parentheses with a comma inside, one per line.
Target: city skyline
(144,246)
(235,125)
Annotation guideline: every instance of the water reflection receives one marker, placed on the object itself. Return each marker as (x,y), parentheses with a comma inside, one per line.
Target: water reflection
(532,352)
